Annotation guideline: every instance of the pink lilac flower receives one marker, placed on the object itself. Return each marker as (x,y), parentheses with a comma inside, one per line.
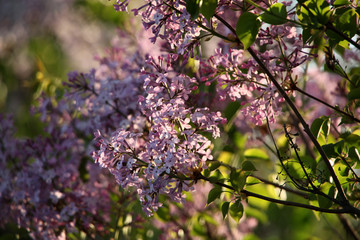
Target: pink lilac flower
(169,21)
(159,157)
(41,187)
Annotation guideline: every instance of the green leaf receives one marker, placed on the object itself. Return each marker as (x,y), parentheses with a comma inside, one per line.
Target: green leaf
(326,127)
(347,22)
(225,209)
(247,28)
(164,213)
(193,8)
(248,166)
(216,176)
(231,109)
(324,173)
(238,179)
(239,140)
(354,94)
(354,155)
(275,15)
(209,218)
(198,229)
(329,150)
(324,202)
(252,181)
(214,194)
(339,3)
(208,8)
(214,165)
(314,13)
(306,35)
(316,127)
(343,170)
(329,190)
(309,162)
(352,139)
(256,153)
(325,11)
(236,210)
(339,147)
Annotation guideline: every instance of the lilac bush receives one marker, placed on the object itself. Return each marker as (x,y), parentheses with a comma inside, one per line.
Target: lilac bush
(159,120)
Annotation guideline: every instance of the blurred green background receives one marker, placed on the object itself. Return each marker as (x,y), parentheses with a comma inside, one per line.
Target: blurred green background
(41,41)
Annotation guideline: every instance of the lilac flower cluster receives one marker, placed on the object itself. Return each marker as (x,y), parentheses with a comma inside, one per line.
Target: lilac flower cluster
(159,153)
(47,185)
(237,76)
(169,21)
(106,97)
(160,143)
(42,189)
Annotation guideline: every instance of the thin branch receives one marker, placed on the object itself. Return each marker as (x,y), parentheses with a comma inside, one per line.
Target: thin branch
(326,104)
(283,202)
(299,159)
(304,124)
(281,161)
(302,136)
(351,169)
(287,189)
(348,227)
(314,189)
(331,27)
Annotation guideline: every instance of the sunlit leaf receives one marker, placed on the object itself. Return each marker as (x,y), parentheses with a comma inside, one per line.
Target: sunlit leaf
(275,15)
(236,210)
(255,153)
(208,8)
(238,179)
(247,28)
(329,190)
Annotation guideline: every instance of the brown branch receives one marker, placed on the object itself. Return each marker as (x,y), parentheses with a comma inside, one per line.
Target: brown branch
(304,124)
(326,104)
(287,189)
(283,202)
(348,227)
(331,27)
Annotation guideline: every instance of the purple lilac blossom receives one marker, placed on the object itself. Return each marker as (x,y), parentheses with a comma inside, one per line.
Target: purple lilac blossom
(158,157)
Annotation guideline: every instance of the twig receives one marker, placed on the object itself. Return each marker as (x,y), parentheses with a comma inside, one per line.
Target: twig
(331,27)
(304,124)
(348,227)
(283,202)
(326,104)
